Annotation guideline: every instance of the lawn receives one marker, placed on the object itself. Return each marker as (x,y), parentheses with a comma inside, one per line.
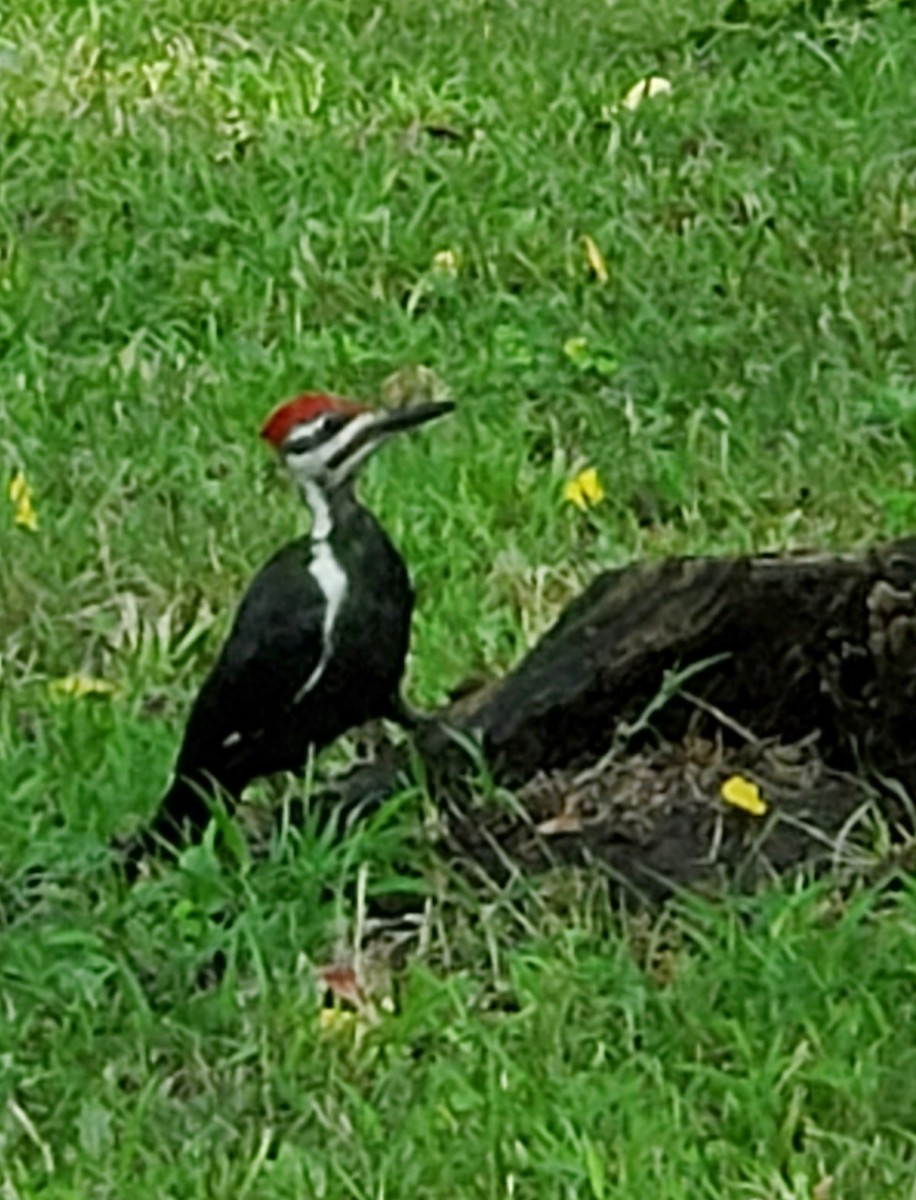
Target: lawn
(708,297)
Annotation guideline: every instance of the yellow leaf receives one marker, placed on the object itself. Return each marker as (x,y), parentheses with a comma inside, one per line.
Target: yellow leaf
(337,1021)
(79,686)
(585,490)
(21,495)
(446,262)
(576,349)
(744,794)
(646,89)
(595,259)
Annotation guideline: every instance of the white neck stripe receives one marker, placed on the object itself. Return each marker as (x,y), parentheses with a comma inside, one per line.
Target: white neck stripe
(317,500)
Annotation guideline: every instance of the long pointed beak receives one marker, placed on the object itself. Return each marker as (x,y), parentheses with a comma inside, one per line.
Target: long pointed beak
(373,428)
(390,421)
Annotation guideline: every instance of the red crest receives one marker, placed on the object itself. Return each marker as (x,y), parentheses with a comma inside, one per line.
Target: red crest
(300,411)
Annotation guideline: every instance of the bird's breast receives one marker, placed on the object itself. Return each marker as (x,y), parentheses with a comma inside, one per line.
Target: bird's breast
(332,582)
(331,579)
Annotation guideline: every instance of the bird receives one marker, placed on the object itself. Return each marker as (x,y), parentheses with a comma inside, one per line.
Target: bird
(320,639)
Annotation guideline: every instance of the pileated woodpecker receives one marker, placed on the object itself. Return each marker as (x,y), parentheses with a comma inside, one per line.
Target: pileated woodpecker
(319,641)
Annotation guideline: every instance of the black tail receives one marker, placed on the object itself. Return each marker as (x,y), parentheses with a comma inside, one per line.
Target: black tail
(184,812)
(182,817)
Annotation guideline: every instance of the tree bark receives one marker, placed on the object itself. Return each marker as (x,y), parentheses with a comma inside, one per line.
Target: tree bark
(670,676)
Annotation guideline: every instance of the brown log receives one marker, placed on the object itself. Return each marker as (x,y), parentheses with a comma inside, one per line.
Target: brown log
(650,667)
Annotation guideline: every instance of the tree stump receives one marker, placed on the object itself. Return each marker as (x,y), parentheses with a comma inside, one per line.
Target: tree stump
(616,731)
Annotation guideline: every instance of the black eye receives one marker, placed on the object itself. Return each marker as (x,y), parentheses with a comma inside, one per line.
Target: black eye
(301,442)
(315,433)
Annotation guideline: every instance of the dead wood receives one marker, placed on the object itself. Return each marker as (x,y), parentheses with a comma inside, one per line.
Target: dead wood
(645,671)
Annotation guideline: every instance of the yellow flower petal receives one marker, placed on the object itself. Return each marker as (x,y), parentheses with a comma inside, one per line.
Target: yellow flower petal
(744,794)
(646,89)
(21,496)
(585,490)
(79,686)
(591,486)
(595,259)
(573,493)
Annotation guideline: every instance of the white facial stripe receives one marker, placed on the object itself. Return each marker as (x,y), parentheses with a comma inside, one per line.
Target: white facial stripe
(313,462)
(308,435)
(350,432)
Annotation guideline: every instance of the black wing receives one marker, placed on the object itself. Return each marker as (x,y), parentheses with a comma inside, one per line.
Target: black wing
(272,650)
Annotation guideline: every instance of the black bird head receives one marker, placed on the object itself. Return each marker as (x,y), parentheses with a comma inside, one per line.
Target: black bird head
(324,439)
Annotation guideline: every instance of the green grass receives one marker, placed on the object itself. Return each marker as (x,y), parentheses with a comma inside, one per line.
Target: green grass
(207,207)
